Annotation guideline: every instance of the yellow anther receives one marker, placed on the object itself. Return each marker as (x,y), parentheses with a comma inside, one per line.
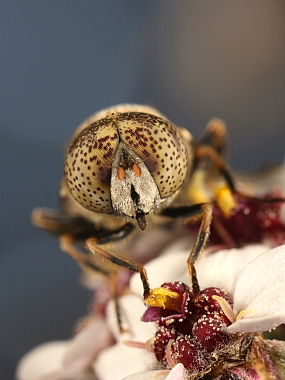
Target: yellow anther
(164,298)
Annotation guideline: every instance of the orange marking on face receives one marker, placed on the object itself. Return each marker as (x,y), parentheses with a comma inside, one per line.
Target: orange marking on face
(137,170)
(121,173)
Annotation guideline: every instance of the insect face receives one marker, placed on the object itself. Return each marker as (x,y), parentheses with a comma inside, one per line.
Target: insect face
(127,164)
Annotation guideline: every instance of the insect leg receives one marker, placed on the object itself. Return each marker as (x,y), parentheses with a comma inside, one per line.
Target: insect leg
(66,243)
(210,152)
(92,246)
(59,223)
(199,244)
(204,151)
(206,210)
(215,136)
(223,197)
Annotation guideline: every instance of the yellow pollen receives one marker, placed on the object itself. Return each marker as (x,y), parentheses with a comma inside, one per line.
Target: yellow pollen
(164,298)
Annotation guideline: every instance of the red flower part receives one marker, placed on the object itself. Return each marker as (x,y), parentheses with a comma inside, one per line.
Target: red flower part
(210,331)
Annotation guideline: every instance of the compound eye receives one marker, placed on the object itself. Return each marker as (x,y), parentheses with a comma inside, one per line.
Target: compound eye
(160,147)
(88,165)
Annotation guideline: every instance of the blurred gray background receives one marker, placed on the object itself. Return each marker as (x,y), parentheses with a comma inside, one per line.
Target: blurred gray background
(64,60)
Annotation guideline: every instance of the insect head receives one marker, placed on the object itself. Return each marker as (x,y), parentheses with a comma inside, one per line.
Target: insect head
(126,164)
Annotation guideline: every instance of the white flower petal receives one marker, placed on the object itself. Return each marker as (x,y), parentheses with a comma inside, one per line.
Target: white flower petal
(42,362)
(148,375)
(220,269)
(132,308)
(257,324)
(85,345)
(120,361)
(169,266)
(260,289)
(177,373)
(66,360)
(223,268)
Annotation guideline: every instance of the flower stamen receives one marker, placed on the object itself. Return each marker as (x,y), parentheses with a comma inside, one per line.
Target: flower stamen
(135,344)
(244,313)
(226,307)
(169,359)
(164,298)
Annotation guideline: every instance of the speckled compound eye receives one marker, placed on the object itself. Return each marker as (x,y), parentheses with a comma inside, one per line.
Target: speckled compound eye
(126,163)
(159,146)
(88,165)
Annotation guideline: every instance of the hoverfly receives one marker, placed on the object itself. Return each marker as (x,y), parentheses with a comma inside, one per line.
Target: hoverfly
(128,166)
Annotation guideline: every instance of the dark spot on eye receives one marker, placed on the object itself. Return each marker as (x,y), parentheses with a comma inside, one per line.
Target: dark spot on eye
(146,153)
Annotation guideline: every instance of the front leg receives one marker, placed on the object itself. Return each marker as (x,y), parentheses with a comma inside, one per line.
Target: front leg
(206,210)
(59,223)
(122,262)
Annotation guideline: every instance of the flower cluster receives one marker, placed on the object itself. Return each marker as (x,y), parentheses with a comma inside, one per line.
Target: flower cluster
(177,333)
(192,332)
(215,326)
(209,329)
